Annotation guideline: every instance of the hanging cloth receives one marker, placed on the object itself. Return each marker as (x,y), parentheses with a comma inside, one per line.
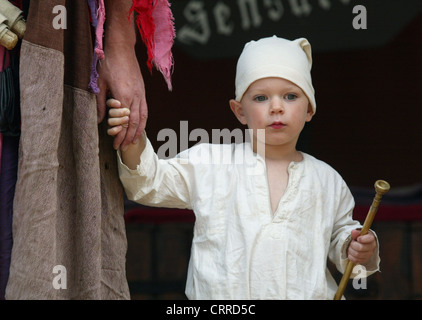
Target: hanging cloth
(155,23)
(8,177)
(97,18)
(9,97)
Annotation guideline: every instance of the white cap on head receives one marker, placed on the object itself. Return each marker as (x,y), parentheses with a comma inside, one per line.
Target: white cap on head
(276,57)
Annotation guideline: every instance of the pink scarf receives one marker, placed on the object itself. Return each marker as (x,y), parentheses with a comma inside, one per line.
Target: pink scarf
(156,25)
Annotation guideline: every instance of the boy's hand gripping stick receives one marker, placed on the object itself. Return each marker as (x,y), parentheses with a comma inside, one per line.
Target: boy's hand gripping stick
(381,188)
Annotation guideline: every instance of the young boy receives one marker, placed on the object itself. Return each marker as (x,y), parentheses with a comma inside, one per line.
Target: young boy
(259,234)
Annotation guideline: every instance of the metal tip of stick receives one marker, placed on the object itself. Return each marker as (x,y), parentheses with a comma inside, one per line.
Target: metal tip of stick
(382,186)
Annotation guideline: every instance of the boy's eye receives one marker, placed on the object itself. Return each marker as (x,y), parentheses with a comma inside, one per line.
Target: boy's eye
(290,96)
(260,98)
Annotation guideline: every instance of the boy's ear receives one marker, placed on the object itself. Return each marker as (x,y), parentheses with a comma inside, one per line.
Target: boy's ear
(236,107)
(310,113)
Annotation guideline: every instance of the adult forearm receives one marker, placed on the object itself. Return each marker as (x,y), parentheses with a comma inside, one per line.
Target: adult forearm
(118,28)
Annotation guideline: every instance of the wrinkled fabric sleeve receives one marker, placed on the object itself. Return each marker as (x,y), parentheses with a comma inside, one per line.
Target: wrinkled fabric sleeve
(341,235)
(158,182)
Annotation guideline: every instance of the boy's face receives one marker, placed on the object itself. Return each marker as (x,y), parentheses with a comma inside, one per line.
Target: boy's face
(276,105)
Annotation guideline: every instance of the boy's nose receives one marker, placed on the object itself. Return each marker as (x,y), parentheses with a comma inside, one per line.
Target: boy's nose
(277,106)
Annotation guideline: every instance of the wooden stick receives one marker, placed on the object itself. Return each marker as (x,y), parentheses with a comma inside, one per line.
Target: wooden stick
(381,188)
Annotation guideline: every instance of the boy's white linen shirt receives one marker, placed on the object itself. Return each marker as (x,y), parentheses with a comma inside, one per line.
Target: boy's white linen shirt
(240,249)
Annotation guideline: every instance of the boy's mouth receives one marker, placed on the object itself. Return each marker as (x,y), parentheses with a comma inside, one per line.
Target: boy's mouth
(277,125)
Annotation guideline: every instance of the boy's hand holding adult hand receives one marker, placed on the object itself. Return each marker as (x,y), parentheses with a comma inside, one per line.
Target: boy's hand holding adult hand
(118,119)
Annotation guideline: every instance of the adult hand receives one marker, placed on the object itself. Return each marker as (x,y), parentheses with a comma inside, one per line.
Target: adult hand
(120,76)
